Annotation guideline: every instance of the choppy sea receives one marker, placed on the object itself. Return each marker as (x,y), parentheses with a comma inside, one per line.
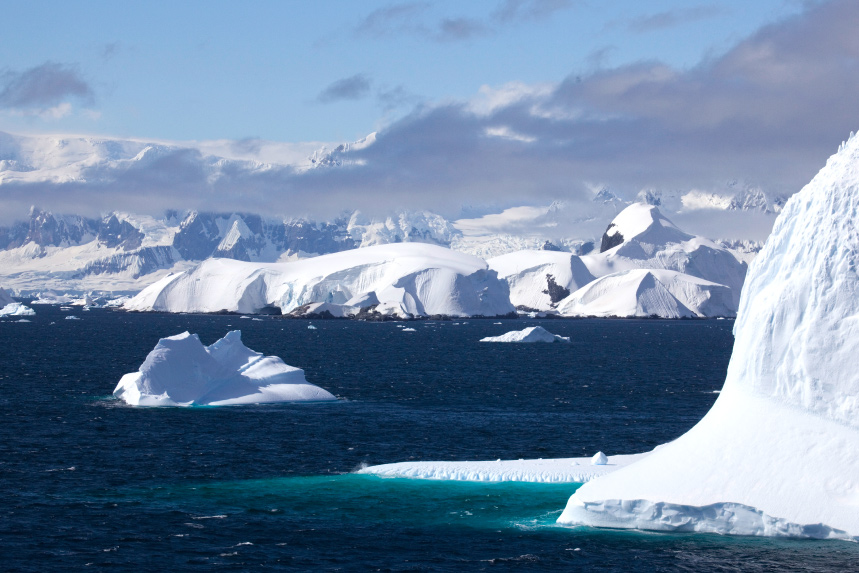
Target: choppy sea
(86,482)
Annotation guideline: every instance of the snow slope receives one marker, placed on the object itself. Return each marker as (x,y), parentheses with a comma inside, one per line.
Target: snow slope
(778,454)
(180,371)
(642,292)
(640,237)
(407,279)
(530,334)
(559,470)
(538,280)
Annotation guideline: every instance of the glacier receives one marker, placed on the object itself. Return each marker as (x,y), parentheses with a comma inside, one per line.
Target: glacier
(180,371)
(400,280)
(778,453)
(530,334)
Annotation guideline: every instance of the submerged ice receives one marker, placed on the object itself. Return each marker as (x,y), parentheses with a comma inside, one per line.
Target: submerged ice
(778,454)
(181,371)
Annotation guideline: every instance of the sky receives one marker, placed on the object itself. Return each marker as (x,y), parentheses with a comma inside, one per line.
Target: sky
(485,104)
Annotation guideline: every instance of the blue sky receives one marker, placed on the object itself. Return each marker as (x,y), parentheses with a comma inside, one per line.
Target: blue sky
(231,70)
(478,106)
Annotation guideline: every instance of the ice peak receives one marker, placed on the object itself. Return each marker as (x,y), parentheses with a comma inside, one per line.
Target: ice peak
(643,222)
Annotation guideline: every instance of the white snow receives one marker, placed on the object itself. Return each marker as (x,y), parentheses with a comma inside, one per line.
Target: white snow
(778,454)
(643,292)
(559,470)
(528,273)
(529,334)
(599,459)
(652,242)
(16,309)
(408,279)
(180,371)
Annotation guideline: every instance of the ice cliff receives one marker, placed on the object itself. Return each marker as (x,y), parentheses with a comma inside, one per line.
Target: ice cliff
(778,454)
(405,280)
(180,371)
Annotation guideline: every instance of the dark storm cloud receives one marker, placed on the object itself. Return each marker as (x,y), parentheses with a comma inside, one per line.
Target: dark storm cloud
(351,88)
(767,113)
(42,86)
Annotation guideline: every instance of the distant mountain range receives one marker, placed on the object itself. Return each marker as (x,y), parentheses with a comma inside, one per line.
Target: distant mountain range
(123,252)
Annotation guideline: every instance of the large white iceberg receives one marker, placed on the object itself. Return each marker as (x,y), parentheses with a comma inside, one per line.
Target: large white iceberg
(180,371)
(778,454)
(16,309)
(530,334)
(404,280)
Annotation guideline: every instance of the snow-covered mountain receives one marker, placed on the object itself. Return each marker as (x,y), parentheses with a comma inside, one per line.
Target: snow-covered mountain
(125,253)
(639,273)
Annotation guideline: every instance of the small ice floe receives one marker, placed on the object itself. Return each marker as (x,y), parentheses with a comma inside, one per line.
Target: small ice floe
(244,317)
(23,320)
(599,459)
(530,334)
(408,330)
(311,327)
(72,317)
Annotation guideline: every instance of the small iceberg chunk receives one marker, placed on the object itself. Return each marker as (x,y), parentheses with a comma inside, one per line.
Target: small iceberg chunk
(311,327)
(16,309)
(599,459)
(530,334)
(180,371)
(408,330)
(72,317)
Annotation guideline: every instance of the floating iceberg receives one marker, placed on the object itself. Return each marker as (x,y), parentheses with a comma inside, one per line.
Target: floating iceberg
(16,309)
(559,470)
(180,371)
(778,454)
(530,334)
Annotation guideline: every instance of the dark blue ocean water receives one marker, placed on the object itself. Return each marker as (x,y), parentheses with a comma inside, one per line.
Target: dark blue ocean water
(86,481)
